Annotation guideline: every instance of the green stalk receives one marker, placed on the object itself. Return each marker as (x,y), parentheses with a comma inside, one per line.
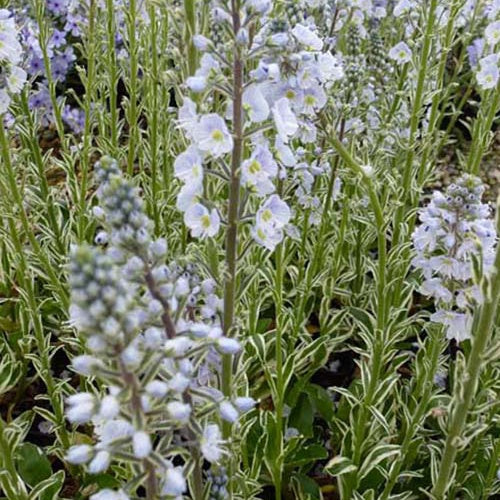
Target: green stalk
(462,400)
(153,128)
(482,130)
(280,389)
(132,85)
(437,97)
(46,265)
(43,40)
(87,129)
(319,248)
(423,397)
(360,426)
(30,141)
(414,121)
(8,466)
(190,31)
(112,74)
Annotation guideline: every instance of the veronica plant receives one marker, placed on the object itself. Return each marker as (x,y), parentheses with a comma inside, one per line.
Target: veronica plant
(153,340)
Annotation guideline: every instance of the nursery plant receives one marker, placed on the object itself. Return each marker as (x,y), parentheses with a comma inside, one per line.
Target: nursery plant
(249,249)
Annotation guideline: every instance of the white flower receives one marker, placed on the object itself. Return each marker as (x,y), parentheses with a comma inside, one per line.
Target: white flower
(458,325)
(197,83)
(401,53)
(255,104)
(434,287)
(329,67)
(202,222)
(81,408)
(228,412)
(141,444)
(257,171)
(188,118)
(188,166)
(109,408)
(244,403)
(284,119)
(16,79)
(267,236)
(212,136)
(307,37)
(274,212)
(179,383)
(174,483)
(189,194)
(157,389)
(113,430)
(86,364)
(488,74)
(110,495)
(100,462)
(179,411)
(4,101)
(211,442)
(79,454)
(492,33)
(403,7)
(260,6)
(229,346)
(201,42)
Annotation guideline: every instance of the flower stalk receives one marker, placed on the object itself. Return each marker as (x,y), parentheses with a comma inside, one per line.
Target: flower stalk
(461,403)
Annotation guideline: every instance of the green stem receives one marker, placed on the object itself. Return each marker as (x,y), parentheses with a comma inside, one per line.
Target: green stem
(418,413)
(359,432)
(414,121)
(279,399)
(112,73)
(482,131)
(8,466)
(190,31)
(462,400)
(87,130)
(46,265)
(132,85)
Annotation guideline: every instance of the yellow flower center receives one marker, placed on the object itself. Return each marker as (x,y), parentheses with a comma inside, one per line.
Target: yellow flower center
(290,94)
(255,167)
(217,135)
(310,100)
(267,215)
(205,221)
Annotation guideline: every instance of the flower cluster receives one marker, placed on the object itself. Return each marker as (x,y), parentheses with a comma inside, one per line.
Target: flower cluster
(12,76)
(281,99)
(456,227)
(152,332)
(484,55)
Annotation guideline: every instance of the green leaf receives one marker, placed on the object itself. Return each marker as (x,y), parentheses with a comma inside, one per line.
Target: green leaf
(340,465)
(49,488)
(302,416)
(307,455)
(308,487)
(33,466)
(322,401)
